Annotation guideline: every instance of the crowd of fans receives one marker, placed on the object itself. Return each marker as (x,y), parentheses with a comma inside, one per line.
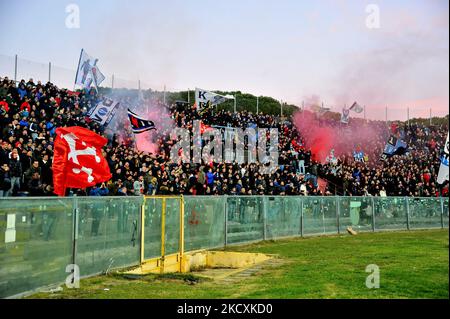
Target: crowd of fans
(30,113)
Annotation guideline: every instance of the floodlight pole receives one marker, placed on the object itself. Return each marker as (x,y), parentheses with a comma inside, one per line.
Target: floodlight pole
(164,95)
(407,114)
(257,104)
(49,71)
(15,69)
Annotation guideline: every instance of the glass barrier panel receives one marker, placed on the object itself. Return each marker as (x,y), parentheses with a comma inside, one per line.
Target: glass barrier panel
(245,219)
(172,226)
(152,228)
(319,215)
(390,213)
(283,216)
(35,243)
(424,212)
(108,233)
(204,219)
(355,212)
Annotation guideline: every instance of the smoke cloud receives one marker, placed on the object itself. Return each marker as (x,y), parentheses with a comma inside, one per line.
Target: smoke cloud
(322,136)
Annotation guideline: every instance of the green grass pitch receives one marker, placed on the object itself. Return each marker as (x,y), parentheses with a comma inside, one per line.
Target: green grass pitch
(412,265)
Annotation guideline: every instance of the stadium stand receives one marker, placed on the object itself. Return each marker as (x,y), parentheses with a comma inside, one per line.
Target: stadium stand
(30,113)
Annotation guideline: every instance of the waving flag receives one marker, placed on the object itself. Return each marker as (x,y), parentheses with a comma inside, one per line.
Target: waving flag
(205,108)
(138,124)
(103,112)
(394,146)
(443,169)
(345,116)
(78,161)
(205,98)
(88,72)
(356,108)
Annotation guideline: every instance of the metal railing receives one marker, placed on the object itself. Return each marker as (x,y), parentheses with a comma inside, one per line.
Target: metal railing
(40,237)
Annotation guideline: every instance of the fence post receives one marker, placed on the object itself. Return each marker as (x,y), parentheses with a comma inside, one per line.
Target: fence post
(163,235)
(181,233)
(407,213)
(75,229)
(338,213)
(373,214)
(15,69)
(226,221)
(301,217)
(442,212)
(264,217)
(142,256)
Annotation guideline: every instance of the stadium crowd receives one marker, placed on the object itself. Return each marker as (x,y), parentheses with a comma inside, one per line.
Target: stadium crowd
(30,113)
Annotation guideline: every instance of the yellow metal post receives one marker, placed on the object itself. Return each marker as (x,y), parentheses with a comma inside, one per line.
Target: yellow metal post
(181,242)
(163,226)
(142,230)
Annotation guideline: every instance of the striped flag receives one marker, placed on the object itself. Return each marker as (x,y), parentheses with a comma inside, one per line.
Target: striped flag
(138,124)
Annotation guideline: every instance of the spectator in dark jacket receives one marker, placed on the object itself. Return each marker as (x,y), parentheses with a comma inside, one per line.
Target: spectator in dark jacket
(5,180)
(35,186)
(15,168)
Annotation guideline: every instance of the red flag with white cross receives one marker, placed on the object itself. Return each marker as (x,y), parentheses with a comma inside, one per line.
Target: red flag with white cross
(78,161)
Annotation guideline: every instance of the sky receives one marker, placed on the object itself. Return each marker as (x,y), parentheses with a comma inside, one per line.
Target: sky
(295,51)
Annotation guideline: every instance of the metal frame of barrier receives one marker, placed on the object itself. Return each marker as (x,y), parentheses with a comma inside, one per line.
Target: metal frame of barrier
(163,261)
(245,219)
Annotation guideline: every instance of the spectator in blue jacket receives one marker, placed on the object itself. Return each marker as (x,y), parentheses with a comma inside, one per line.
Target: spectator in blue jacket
(22,90)
(99,191)
(210,177)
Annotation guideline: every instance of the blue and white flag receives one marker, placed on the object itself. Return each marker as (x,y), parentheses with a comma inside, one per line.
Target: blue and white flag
(443,169)
(345,116)
(394,146)
(358,156)
(88,73)
(104,111)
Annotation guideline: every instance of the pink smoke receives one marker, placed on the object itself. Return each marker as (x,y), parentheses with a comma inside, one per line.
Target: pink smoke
(322,136)
(160,115)
(319,139)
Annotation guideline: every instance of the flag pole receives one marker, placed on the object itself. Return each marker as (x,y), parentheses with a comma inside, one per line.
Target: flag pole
(234,103)
(407,114)
(257,104)
(164,96)
(78,68)
(303,108)
(430,117)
